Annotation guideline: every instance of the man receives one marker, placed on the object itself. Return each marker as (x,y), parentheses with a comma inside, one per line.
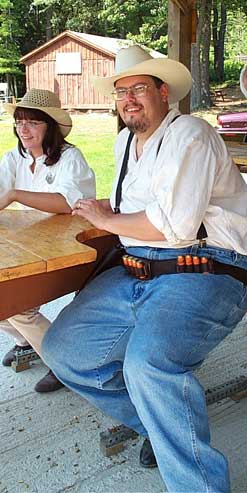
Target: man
(131,339)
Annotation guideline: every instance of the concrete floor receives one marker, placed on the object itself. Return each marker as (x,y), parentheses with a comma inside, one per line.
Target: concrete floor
(50,443)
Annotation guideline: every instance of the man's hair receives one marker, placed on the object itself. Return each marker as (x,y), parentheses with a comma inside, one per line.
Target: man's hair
(53,142)
(158,82)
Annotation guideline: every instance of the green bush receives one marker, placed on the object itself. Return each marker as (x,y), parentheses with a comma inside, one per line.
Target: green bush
(232,71)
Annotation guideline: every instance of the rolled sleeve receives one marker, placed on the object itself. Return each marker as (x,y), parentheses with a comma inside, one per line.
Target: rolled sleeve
(159,220)
(75,179)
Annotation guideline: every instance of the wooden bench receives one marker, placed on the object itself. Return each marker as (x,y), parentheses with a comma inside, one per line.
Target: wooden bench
(217,94)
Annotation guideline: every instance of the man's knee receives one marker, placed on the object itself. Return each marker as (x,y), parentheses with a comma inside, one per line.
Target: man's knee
(135,367)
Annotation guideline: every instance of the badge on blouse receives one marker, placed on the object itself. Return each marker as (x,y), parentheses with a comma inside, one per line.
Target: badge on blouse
(50,178)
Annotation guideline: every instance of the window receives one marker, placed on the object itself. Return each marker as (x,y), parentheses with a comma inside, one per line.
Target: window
(68,63)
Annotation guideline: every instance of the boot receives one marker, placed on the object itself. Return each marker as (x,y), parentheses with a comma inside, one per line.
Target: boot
(49,383)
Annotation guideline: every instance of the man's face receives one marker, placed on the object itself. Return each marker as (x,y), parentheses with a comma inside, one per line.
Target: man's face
(142,114)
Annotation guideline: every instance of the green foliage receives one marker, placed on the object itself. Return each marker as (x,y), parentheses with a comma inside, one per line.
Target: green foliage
(236,34)
(144,22)
(232,70)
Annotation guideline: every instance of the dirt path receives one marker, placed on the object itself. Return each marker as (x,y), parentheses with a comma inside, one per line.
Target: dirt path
(233,101)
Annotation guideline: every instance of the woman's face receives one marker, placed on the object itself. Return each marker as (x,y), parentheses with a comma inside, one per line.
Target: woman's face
(31,134)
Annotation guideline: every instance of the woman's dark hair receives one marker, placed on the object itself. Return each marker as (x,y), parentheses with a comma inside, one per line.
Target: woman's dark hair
(53,141)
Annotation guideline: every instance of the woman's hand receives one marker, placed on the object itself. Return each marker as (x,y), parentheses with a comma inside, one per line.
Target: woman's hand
(96,212)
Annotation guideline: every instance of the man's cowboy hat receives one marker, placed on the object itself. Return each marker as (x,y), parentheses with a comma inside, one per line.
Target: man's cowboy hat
(46,101)
(134,60)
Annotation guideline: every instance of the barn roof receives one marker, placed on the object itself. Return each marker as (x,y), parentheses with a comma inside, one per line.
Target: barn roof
(109,46)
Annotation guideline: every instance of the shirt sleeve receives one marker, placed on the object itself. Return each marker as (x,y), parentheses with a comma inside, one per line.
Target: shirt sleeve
(75,179)
(8,172)
(185,177)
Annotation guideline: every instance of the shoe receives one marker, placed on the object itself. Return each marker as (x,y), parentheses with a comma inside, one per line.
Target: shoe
(11,355)
(147,457)
(49,383)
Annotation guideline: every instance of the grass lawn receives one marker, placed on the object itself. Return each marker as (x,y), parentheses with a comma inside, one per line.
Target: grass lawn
(94,134)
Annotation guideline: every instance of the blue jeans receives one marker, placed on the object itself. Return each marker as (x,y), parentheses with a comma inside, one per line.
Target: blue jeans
(131,347)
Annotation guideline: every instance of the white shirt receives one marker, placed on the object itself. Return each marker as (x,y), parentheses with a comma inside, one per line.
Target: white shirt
(192,179)
(70,176)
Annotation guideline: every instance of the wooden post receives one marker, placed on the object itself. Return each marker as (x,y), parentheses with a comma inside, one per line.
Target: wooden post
(180,32)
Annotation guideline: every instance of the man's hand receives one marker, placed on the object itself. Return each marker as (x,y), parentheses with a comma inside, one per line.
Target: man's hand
(96,212)
(100,214)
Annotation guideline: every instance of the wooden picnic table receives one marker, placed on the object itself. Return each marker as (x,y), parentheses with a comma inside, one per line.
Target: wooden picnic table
(238,152)
(41,259)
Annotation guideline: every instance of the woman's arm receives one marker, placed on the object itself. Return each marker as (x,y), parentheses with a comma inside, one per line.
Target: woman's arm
(46,202)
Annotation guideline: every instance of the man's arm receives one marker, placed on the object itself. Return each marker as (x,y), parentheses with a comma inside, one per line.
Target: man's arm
(135,225)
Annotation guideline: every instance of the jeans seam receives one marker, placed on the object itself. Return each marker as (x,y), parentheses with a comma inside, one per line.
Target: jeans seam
(193,435)
(112,346)
(109,392)
(101,362)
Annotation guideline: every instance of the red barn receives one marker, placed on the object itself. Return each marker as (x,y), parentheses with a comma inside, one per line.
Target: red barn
(66,63)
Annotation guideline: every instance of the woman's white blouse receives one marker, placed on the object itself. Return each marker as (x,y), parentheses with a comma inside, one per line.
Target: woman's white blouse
(70,176)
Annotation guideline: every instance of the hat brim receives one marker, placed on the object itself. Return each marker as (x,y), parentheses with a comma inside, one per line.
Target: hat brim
(173,73)
(58,114)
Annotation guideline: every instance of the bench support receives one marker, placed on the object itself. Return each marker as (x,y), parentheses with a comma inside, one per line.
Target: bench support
(112,441)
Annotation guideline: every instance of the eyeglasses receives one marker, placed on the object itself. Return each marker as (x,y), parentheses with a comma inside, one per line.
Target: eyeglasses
(138,90)
(30,124)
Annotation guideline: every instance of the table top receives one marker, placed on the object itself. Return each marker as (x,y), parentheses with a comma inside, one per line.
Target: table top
(32,242)
(238,151)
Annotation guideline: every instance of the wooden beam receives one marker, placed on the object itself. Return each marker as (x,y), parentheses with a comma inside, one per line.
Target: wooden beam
(180,16)
(182,5)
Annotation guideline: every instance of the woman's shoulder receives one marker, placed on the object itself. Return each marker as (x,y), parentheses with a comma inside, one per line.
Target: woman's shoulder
(12,155)
(71,150)
(73,155)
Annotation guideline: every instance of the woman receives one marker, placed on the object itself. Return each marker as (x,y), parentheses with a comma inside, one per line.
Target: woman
(46,173)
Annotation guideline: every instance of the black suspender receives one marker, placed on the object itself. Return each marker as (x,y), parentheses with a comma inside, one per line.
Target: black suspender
(122,174)
(201,233)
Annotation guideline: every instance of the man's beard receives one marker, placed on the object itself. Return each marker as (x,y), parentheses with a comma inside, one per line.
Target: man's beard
(138,126)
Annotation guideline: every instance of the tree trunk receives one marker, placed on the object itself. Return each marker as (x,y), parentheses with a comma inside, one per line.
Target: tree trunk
(219,39)
(48,23)
(196,101)
(200,57)
(206,7)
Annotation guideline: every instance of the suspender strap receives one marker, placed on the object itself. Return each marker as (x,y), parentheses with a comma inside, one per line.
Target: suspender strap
(122,174)
(201,233)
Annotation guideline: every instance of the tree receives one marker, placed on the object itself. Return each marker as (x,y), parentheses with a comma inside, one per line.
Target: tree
(200,56)
(10,53)
(219,38)
(144,22)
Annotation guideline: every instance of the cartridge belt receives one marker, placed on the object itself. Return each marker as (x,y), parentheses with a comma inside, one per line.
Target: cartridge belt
(145,269)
